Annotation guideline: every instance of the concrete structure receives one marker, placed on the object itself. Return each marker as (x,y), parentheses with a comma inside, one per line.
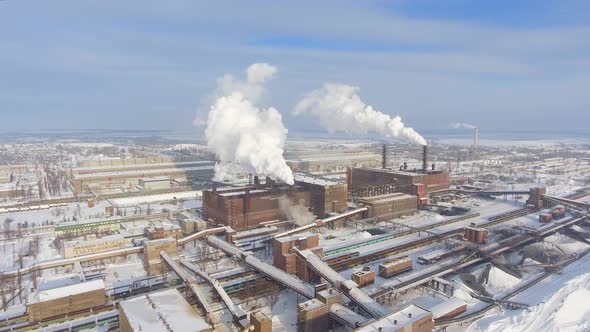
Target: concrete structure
(152,260)
(156,183)
(410,319)
(161,311)
(246,207)
(326,196)
(260,322)
(163,230)
(314,315)
(61,301)
(93,245)
(389,205)
(287,261)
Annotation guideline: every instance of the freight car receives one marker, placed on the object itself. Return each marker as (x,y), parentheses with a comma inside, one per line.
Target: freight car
(395,266)
(434,256)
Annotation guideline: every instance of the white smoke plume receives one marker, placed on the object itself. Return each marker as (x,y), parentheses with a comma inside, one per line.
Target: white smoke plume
(339,108)
(299,213)
(245,138)
(460,125)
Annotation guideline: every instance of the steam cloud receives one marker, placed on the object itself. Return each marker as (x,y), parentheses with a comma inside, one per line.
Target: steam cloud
(245,138)
(459,125)
(339,108)
(296,212)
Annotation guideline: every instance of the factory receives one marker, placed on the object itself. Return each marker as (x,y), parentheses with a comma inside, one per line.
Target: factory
(92,245)
(145,173)
(326,196)
(161,311)
(245,207)
(67,299)
(402,180)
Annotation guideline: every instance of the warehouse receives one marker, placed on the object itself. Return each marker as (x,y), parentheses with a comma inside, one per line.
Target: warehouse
(326,196)
(68,299)
(162,311)
(246,207)
(92,245)
(84,178)
(155,183)
(389,205)
(411,318)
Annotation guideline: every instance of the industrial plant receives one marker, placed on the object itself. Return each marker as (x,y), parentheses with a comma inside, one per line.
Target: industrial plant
(403,238)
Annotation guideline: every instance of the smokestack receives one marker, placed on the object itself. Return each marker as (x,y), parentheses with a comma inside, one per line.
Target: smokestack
(405,165)
(475,139)
(425,158)
(433,166)
(384,156)
(256,181)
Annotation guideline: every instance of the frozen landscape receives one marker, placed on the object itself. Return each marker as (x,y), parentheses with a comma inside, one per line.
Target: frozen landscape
(303,166)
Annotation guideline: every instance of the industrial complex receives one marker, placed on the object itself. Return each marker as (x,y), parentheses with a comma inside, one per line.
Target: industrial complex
(408,242)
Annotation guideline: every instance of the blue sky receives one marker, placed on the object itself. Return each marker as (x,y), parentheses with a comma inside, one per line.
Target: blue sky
(142,64)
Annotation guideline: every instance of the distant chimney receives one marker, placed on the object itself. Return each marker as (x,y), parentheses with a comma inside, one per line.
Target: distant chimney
(384,157)
(405,165)
(256,180)
(433,166)
(475,141)
(424,158)
(214,187)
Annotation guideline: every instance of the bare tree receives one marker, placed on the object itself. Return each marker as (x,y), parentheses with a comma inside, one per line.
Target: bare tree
(7,231)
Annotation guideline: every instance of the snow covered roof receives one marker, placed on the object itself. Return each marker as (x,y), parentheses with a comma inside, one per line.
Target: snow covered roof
(156,179)
(162,311)
(142,172)
(314,180)
(56,293)
(447,306)
(74,243)
(398,320)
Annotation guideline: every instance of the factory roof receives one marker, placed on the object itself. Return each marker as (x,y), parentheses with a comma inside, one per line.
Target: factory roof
(141,172)
(156,179)
(447,306)
(311,304)
(162,311)
(342,157)
(306,178)
(132,166)
(396,321)
(392,171)
(237,193)
(74,243)
(56,293)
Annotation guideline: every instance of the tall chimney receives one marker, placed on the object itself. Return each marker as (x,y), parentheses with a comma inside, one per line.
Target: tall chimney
(425,158)
(384,156)
(475,139)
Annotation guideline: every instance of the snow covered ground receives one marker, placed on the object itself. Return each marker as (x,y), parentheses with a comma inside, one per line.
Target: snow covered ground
(560,304)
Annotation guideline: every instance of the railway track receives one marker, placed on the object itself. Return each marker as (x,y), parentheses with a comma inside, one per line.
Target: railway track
(356,260)
(501,246)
